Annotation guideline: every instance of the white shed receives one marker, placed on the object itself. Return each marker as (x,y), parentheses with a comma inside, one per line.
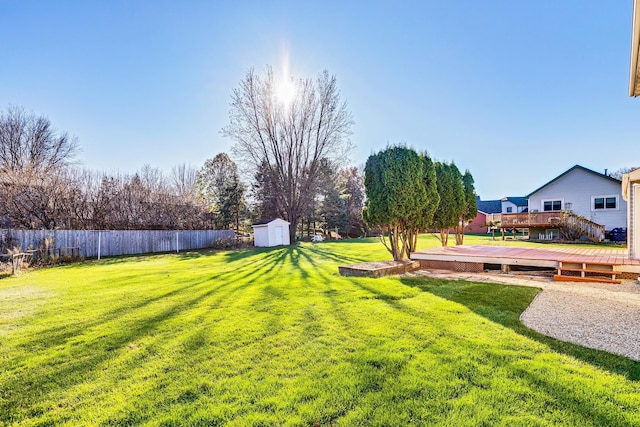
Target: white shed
(631,193)
(271,232)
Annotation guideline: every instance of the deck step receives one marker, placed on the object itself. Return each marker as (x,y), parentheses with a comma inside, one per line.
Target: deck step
(591,279)
(589,272)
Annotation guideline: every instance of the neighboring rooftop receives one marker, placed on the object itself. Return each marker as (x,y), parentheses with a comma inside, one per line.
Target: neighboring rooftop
(518,201)
(489,206)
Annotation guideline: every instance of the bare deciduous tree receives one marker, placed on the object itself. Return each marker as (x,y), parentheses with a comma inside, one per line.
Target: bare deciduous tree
(617,174)
(41,188)
(289,138)
(183,179)
(34,160)
(30,143)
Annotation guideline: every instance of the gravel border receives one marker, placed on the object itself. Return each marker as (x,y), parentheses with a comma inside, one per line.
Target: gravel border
(594,315)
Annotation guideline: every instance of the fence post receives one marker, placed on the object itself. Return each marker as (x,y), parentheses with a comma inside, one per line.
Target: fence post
(177,242)
(99,245)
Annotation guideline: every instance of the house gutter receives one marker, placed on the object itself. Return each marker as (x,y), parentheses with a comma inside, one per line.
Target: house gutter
(634,74)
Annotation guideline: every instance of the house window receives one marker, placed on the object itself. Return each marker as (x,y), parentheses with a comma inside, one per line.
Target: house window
(551,205)
(509,209)
(605,202)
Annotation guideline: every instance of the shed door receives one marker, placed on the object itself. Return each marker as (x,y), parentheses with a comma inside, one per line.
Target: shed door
(279,236)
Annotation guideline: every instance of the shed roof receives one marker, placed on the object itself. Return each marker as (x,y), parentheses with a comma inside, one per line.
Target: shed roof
(601,175)
(268,221)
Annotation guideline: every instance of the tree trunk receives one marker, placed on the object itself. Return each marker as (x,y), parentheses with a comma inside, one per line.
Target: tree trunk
(459,231)
(444,237)
(412,242)
(293,228)
(395,244)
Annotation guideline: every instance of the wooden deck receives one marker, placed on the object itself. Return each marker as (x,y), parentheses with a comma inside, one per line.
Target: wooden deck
(531,257)
(551,220)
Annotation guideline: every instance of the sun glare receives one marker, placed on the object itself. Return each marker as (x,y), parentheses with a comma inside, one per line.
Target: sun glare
(285,88)
(285,91)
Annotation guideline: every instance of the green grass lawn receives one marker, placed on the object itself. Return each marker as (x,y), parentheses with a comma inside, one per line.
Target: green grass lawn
(277,337)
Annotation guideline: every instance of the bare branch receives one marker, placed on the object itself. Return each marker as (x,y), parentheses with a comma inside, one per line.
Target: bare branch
(289,140)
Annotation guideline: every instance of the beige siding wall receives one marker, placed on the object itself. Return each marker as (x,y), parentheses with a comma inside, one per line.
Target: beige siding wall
(633,233)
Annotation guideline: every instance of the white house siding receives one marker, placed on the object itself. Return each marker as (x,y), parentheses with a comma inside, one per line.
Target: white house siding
(514,208)
(507,205)
(576,190)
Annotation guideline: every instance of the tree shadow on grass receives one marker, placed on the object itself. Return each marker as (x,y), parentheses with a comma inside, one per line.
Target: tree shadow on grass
(65,366)
(119,259)
(357,240)
(504,305)
(324,252)
(461,357)
(259,263)
(239,254)
(58,334)
(256,265)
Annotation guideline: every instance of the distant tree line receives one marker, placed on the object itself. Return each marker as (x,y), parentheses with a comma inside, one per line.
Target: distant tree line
(41,186)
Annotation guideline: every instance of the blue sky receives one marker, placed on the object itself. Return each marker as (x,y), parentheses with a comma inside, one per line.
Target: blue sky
(516,92)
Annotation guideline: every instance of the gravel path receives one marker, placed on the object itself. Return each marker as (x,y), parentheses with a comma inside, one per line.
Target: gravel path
(594,315)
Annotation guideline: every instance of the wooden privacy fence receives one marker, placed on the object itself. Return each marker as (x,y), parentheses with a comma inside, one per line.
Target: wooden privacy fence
(96,244)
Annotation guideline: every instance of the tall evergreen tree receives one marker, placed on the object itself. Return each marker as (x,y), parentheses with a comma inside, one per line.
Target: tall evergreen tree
(219,186)
(424,220)
(232,203)
(452,204)
(350,183)
(470,206)
(266,200)
(334,211)
(397,197)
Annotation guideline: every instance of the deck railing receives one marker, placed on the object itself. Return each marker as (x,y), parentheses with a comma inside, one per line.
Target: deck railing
(530,219)
(562,219)
(493,219)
